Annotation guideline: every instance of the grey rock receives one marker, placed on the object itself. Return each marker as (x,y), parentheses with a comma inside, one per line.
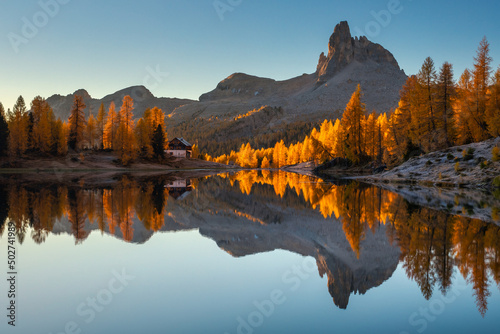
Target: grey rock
(343,49)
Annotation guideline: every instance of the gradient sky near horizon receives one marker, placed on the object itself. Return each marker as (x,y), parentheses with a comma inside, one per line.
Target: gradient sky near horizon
(105,46)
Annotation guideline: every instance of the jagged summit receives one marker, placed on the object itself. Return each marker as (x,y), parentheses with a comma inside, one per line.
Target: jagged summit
(343,49)
(83,93)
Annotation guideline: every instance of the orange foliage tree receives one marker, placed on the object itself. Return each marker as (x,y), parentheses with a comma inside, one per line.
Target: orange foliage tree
(18,128)
(111,126)
(125,138)
(77,123)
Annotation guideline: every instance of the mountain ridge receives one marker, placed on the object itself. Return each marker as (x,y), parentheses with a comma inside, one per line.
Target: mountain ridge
(143,99)
(312,98)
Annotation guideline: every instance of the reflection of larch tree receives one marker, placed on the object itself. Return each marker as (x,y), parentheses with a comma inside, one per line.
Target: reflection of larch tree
(351,214)
(77,215)
(109,210)
(42,218)
(493,242)
(19,210)
(444,252)
(471,256)
(418,259)
(100,215)
(125,194)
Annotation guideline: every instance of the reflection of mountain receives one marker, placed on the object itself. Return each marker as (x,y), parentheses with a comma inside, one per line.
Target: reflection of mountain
(357,234)
(370,271)
(246,225)
(311,235)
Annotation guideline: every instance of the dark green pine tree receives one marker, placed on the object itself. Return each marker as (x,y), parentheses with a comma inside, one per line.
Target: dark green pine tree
(158,142)
(4,132)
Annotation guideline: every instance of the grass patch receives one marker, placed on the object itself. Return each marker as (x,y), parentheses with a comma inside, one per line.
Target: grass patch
(495,214)
(496,182)
(495,152)
(468,154)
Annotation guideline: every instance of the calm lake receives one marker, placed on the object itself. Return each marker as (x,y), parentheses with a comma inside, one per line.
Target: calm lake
(247,252)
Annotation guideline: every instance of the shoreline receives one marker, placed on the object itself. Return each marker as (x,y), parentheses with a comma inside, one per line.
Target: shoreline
(469,166)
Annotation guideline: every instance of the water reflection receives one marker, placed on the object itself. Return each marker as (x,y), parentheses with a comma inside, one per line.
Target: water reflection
(358,234)
(179,189)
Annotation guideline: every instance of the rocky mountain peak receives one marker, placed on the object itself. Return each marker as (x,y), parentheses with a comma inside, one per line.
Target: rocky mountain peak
(343,49)
(83,93)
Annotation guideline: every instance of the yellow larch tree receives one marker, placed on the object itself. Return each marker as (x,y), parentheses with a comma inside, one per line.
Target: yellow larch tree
(143,139)
(60,133)
(125,138)
(493,108)
(4,132)
(352,122)
(43,122)
(480,83)
(101,120)
(465,125)
(77,123)
(145,131)
(18,128)
(265,163)
(426,109)
(112,122)
(446,91)
(371,135)
(42,135)
(91,132)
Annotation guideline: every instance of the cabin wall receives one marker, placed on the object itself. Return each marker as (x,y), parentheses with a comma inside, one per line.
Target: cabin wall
(179,153)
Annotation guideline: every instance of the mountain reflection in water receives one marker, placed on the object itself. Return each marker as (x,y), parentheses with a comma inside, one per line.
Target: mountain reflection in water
(358,234)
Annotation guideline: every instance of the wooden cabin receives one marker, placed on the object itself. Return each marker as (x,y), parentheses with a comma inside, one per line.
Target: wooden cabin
(179,148)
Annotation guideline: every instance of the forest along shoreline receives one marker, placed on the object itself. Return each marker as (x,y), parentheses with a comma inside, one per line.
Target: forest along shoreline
(473,166)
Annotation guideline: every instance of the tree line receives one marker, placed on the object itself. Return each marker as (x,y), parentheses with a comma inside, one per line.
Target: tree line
(434,112)
(37,131)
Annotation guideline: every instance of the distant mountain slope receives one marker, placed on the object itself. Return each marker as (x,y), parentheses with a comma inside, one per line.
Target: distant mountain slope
(143,99)
(310,97)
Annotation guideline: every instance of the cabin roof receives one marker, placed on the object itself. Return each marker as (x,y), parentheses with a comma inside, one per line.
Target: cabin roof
(183,141)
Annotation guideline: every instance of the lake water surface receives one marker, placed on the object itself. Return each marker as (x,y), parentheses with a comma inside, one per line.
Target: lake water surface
(248,252)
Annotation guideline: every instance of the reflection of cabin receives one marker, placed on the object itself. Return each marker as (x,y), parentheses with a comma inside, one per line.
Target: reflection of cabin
(179,148)
(179,189)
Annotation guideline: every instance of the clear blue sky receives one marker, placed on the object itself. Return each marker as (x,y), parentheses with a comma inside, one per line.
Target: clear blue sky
(104,46)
